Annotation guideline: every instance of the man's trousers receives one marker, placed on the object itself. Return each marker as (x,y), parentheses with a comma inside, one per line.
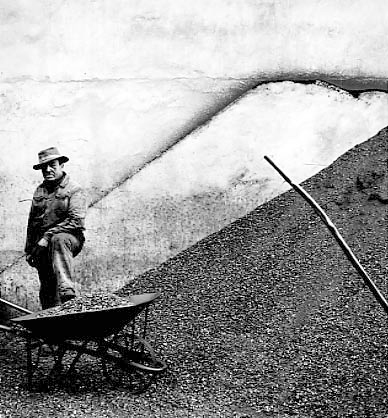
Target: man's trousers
(55,269)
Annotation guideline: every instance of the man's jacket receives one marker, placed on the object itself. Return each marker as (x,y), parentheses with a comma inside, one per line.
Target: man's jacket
(61,209)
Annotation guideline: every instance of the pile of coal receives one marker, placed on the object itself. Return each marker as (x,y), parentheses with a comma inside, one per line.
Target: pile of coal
(87,302)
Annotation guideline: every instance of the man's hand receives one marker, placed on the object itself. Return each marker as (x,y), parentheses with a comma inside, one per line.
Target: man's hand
(30,260)
(33,258)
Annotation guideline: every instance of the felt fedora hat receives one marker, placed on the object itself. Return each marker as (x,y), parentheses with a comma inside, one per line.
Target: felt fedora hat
(47,155)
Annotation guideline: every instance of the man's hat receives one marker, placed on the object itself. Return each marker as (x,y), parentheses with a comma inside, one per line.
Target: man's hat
(48,155)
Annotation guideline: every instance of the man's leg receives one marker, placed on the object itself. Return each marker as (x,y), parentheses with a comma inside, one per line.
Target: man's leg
(63,247)
(48,293)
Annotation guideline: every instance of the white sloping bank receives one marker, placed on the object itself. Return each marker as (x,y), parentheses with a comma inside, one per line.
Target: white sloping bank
(218,174)
(215,175)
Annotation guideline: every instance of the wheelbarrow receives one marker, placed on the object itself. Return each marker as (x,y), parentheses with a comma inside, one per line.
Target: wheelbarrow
(116,336)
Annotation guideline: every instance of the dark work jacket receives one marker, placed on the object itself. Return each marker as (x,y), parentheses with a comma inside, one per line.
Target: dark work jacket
(62,209)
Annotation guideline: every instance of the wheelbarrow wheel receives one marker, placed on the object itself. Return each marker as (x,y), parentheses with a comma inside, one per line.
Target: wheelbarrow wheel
(143,357)
(121,375)
(129,361)
(135,351)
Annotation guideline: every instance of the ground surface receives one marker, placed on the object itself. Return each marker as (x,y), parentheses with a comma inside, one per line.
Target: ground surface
(266,318)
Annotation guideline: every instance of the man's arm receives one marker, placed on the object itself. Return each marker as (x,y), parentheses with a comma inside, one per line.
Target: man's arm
(75,219)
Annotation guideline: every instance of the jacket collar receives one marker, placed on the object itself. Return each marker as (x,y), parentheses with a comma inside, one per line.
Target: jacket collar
(65,180)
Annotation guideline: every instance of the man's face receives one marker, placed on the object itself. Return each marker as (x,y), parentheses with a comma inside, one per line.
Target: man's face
(52,171)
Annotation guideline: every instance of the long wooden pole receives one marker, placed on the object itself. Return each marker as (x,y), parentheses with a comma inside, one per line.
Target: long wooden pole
(334,231)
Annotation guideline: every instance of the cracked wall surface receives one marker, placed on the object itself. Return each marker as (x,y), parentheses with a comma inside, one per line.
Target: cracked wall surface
(161,110)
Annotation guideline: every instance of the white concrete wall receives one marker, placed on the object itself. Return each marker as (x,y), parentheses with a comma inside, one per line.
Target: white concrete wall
(114,84)
(114,39)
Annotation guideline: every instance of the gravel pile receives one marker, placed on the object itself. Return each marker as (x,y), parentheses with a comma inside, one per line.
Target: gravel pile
(86,303)
(266,318)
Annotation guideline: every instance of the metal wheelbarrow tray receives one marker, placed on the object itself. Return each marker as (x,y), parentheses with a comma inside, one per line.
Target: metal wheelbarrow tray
(115,335)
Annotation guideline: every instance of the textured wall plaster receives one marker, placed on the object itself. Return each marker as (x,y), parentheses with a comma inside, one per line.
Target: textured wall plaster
(75,40)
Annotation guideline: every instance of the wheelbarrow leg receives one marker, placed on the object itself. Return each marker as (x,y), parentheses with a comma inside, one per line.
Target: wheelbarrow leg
(29,362)
(57,367)
(31,344)
(80,351)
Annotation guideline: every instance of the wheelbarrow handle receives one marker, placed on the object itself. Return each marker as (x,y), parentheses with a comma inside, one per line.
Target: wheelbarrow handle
(6,329)
(334,231)
(17,307)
